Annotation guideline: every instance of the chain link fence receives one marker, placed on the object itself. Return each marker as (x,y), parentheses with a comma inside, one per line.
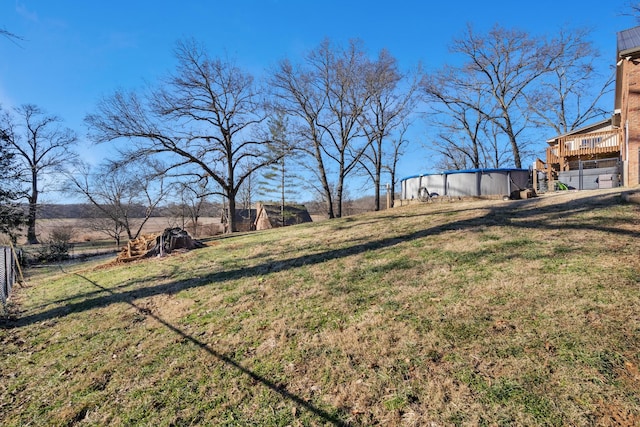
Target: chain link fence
(7,272)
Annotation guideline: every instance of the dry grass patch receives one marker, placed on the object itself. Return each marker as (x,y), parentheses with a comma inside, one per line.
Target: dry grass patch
(469,313)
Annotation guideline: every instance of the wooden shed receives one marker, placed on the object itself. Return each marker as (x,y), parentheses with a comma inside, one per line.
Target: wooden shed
(245,220)
(274,215)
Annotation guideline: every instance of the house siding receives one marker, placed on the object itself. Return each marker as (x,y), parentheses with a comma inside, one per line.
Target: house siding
(631,118)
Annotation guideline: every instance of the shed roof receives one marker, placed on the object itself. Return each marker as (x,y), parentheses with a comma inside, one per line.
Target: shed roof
(629,41)
(293,214)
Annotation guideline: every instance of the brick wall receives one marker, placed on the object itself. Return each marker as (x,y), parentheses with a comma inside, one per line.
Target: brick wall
(631,114)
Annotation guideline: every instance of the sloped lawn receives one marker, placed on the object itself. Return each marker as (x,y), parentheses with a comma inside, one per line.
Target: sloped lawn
(463,313)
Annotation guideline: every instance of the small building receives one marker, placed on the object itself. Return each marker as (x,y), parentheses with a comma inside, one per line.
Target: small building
(275,215)
(245,220)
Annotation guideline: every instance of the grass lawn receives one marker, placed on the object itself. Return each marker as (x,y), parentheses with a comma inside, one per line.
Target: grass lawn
(465,313)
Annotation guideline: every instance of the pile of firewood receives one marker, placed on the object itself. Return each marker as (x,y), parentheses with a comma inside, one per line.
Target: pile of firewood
(149,245)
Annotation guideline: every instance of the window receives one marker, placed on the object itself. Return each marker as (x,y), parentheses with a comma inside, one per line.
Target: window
(590,142)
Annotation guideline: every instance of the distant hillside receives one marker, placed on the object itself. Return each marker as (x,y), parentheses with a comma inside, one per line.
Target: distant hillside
(80,210)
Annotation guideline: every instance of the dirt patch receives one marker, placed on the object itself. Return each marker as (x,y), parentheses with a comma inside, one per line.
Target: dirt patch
(166,307)
(612,415)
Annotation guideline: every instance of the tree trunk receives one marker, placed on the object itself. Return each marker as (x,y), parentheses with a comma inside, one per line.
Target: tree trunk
(393,187)
(514,144)
(231,214)
(32,239)
(282,200)
(325,184)
(516,153)
(378,174)
(127,228)
(339,196)
(376,184)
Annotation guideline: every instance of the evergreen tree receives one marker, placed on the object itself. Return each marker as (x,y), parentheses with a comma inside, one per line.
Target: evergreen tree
(276,178)
(12,218)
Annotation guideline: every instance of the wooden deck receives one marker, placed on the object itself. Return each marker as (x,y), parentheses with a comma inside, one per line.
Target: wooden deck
(584,146)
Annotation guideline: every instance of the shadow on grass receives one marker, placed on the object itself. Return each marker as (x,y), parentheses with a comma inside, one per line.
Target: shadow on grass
(229,361)
(511,214)
(102,291)
(522,214)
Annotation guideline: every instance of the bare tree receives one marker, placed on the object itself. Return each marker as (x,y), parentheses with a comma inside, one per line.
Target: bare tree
(397,150)
(341,72)
(495,151)
(9,35)
(505,63)
(193,198)
(566,97)
(392,100)
(42,148)
(203,119)
(509,83)
(459,109)
(328,94)
(634,10)
(123,197)
(297,95)
(97,221)
(246,194)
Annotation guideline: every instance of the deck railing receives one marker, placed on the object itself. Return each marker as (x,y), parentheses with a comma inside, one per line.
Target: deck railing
(585,145)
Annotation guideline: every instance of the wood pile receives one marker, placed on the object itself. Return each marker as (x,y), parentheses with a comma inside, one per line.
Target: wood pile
(149,245)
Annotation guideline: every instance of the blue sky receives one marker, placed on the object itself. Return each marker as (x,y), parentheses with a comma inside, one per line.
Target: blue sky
(75,51)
